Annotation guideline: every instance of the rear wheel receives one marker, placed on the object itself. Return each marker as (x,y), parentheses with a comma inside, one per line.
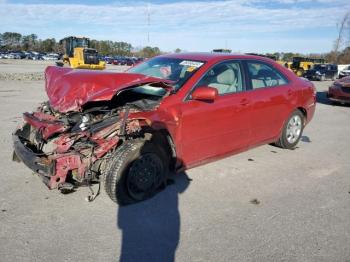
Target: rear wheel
(135,172)
(292,131)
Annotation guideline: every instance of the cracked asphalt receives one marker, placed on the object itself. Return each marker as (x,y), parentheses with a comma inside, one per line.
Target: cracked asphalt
(266,204)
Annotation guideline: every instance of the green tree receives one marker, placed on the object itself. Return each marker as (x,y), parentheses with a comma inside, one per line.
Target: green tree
(149,51)
(48,45)
(29,42)
(11,39)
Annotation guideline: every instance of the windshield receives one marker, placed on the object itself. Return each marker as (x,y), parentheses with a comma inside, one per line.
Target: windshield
(174,69)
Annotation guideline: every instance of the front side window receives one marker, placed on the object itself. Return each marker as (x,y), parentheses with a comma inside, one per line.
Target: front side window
(226,77)
(262,75)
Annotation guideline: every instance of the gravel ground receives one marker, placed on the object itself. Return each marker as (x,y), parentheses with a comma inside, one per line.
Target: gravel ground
(266,204)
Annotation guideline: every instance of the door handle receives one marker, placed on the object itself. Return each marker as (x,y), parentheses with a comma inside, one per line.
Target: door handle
(289,92)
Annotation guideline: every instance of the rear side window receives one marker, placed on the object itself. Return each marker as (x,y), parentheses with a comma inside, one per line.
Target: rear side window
(262,75)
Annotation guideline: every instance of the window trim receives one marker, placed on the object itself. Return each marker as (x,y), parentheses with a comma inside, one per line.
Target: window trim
(249,82)
(243,75)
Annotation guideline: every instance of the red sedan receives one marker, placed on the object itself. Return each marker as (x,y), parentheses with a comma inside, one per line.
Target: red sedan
(339,91)
(172,112)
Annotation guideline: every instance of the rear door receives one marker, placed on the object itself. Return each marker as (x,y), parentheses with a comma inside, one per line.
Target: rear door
(270,96)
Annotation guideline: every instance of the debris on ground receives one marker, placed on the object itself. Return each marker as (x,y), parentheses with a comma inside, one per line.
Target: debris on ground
(255,201)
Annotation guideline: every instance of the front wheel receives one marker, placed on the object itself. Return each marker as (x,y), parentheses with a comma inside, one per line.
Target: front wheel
(292,131)
(135,172)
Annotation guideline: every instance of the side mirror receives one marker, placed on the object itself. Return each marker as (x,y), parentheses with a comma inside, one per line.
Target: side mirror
(205,93)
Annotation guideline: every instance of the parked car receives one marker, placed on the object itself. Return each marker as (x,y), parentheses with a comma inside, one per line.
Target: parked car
(108,60)
(116,60)
(339,91)
(120,61)
(322,72)
(130,62)
(51,56)
(345,72)
(35,56)
(171,112)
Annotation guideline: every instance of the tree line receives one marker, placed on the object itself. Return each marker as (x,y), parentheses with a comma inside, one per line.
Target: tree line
(13,41)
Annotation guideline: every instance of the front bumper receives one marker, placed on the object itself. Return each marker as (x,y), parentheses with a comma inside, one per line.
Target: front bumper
(53,169)
(35,161)
(337,94)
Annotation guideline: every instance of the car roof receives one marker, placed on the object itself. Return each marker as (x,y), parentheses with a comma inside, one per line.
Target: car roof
(206,57)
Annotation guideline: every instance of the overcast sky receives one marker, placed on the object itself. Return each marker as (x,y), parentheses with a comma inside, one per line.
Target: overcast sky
(306,26)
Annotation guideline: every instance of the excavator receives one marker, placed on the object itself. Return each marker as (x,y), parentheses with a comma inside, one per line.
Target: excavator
(77,54)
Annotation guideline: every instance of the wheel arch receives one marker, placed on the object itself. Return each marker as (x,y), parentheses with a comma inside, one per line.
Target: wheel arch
(163,139)
(304,112)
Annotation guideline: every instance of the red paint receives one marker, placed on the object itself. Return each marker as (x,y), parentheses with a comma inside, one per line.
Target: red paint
(45,123)
(69,89)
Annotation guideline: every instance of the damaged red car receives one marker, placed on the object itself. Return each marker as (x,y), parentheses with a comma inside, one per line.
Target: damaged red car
(339,91)
(173,112)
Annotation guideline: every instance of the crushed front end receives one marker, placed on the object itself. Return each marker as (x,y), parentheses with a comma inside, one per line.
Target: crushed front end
(89,114)
(69,149)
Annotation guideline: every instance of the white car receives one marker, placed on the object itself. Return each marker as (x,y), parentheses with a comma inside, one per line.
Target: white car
(345,72)
(51,57)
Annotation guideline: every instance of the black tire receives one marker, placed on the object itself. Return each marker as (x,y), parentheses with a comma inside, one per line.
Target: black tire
(135,172)
(283,141)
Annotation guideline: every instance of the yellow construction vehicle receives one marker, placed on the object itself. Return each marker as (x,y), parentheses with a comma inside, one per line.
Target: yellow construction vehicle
(77,53)
(301,64)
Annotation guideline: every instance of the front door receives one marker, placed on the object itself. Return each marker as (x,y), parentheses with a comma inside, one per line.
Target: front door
(212,129)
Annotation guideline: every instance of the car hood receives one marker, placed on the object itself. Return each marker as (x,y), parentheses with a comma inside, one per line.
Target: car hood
(69,89)
(345,81)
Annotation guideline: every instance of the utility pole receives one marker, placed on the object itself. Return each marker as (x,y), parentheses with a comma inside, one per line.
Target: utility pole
(148,23)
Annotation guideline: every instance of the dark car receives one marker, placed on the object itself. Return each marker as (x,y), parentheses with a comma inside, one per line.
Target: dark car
(322,72)
(130,61)
(339,91)
(36,57)
(171,112)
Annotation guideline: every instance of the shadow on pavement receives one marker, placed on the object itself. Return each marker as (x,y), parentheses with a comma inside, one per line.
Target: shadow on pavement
(151,229)
(321,97)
